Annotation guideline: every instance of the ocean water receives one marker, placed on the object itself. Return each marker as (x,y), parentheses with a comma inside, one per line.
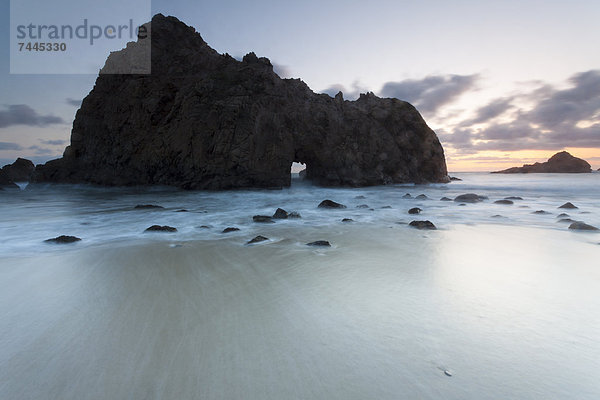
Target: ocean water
(497,303)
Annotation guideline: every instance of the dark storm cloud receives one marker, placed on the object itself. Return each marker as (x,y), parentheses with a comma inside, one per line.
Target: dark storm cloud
(432,92)
(22,114)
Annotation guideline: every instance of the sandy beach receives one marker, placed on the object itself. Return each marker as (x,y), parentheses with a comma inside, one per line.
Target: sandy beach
(508,312)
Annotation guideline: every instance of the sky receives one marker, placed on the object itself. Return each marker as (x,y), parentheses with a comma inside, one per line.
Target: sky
(502,83)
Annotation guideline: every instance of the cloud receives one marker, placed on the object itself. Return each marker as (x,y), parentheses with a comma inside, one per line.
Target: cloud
(22,114)
(10,146)
(73,102)
(557,118)
(56,142)
(490,111)
(432,92)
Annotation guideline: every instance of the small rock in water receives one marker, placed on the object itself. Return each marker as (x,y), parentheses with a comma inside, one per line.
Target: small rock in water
(506,202)
(445,199)
(581,226)
(386,207)
(541,212)
(421,197)
(447,373)
(294,214)
(469,198)
(453,178)
(205,227)
(322,243)
(175,245)
(363,206)
(513,198)
(347,220)
(330,204)
(257,239)
(280,213)
(147,207)
(63,239)
(230,229)
(415,210)
(568,205)
(423,225)
(159,228)
(360,197)
(497,216)
(563,215)
(263,219)
(407,196)
(182,210)
(567,220)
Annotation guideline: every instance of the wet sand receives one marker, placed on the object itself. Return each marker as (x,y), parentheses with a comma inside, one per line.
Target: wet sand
(511,312)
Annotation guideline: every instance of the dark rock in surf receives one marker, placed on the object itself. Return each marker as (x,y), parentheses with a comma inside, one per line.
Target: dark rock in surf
(280,213)
(330,204)
(159,228)
(19,171)
(265,219)
(230,229)
(63,239)
(257,239)
(294,215)
(569,206)
(421,197)
(415,210)
(453,178)
(362,206)
(563,215)
(424,225)
(469,198)
(581,226)
(445,199)
(513,198)
(505,202)
(147,207)
(541,212)
(407,196)
(347,220)
(566,220)
(319,243)
(6,182)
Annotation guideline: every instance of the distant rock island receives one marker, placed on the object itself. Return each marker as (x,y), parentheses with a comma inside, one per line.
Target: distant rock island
(561,162)
(203,120)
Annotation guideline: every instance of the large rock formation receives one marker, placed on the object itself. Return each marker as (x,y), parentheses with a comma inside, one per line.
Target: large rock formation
(20,170)
(562,162)
(203,120)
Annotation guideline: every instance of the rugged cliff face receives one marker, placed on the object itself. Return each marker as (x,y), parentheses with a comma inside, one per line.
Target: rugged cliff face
(202,120)
(562,162)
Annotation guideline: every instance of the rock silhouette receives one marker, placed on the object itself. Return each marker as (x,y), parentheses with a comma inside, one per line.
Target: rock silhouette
(562,162)
(20,170)
(203,120)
